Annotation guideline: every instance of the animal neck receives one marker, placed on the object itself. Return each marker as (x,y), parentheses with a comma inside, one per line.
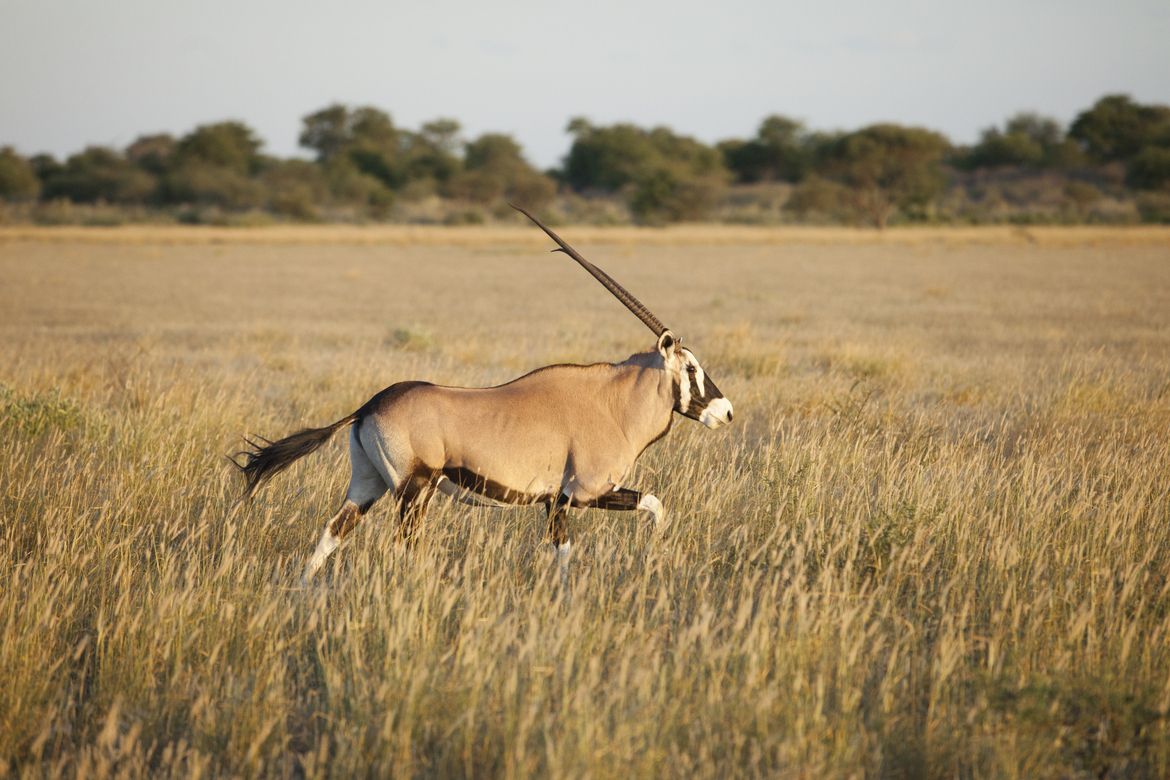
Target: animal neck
(642,401)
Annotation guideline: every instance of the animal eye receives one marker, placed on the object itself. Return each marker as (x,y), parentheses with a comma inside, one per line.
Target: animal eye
(690,369)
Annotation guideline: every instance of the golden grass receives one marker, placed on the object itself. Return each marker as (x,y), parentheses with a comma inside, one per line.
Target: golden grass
(524,235)
(934,542)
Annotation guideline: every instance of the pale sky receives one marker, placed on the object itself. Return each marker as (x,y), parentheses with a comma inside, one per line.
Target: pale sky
(79,72)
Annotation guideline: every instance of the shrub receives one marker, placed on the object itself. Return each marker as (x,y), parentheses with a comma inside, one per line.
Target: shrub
(495,170)
(203,184)
(99,174)
(18,180)
(888,167)
(295,188)
(819,199)
(1154,207)
(1149,169)
(670,195)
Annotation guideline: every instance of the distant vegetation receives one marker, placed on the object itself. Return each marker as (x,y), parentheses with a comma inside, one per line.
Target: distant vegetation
(1110,165)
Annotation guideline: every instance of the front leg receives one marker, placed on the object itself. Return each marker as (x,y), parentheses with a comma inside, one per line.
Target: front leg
(558,534)
(625,500)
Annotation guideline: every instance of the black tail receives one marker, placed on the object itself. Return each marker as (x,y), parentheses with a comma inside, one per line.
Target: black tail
(264,461)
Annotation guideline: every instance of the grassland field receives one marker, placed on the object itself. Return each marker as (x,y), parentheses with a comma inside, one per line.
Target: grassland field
(935,542)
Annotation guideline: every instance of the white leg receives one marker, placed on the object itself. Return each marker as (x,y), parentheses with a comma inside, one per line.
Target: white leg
(365,487)
(564,551)
(327,545)
(651,504)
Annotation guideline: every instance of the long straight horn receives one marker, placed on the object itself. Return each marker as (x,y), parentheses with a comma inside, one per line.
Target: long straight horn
(619,292)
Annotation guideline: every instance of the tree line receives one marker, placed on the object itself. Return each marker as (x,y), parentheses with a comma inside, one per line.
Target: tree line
(1110,164)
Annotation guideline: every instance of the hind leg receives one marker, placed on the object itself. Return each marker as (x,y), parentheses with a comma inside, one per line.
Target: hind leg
(417,491)
(366,486)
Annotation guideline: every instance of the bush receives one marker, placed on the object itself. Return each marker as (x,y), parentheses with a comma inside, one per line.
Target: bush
(18,180)
(888,167)
(152,153)
(820,200)
(781,151)
(670,195)
(1081,196)
(495,170)
(1154,207)
(231,146)
(1117,128)
(33,414)
(203,184)
(350,186)
(295,188)
(666,177)
(99,174)
(1149,169)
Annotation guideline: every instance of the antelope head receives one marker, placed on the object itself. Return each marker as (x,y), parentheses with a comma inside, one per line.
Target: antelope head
(695,395)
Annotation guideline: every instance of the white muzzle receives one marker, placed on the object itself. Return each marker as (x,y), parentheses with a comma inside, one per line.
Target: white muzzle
(717,413)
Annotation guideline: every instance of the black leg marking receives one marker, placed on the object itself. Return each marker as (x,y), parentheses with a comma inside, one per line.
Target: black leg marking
(416,494)
(558,531)
(346,518)
(620,500)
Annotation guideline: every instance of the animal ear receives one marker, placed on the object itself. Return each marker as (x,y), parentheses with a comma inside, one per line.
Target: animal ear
(666,343)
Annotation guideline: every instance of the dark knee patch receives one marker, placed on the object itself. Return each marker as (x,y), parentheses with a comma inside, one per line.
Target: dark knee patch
(346,519)
(558,528)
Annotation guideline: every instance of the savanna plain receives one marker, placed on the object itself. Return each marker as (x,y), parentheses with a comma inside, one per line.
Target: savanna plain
(935,542)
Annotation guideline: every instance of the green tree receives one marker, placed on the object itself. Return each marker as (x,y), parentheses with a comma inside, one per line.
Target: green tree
(365,138)
(349,186)
(153,153)
(18,178)
(99,174)
(216,165)
(889,167)
(606,159)
(327,131)
(1027,140)
(664,176)
(200,184)
(45,166)
(781,151)
(1117,128)
(295,188)
(1149,169)
(820,199)
(431,156)
(494,170)
(669,194)
(228,145)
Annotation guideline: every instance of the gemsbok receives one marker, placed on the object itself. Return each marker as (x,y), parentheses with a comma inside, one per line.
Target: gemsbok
(563,436)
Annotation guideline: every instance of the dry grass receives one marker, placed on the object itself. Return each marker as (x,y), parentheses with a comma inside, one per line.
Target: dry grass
(524,236)
(934,542)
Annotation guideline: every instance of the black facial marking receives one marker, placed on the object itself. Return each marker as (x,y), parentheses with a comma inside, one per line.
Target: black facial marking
(699,399)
